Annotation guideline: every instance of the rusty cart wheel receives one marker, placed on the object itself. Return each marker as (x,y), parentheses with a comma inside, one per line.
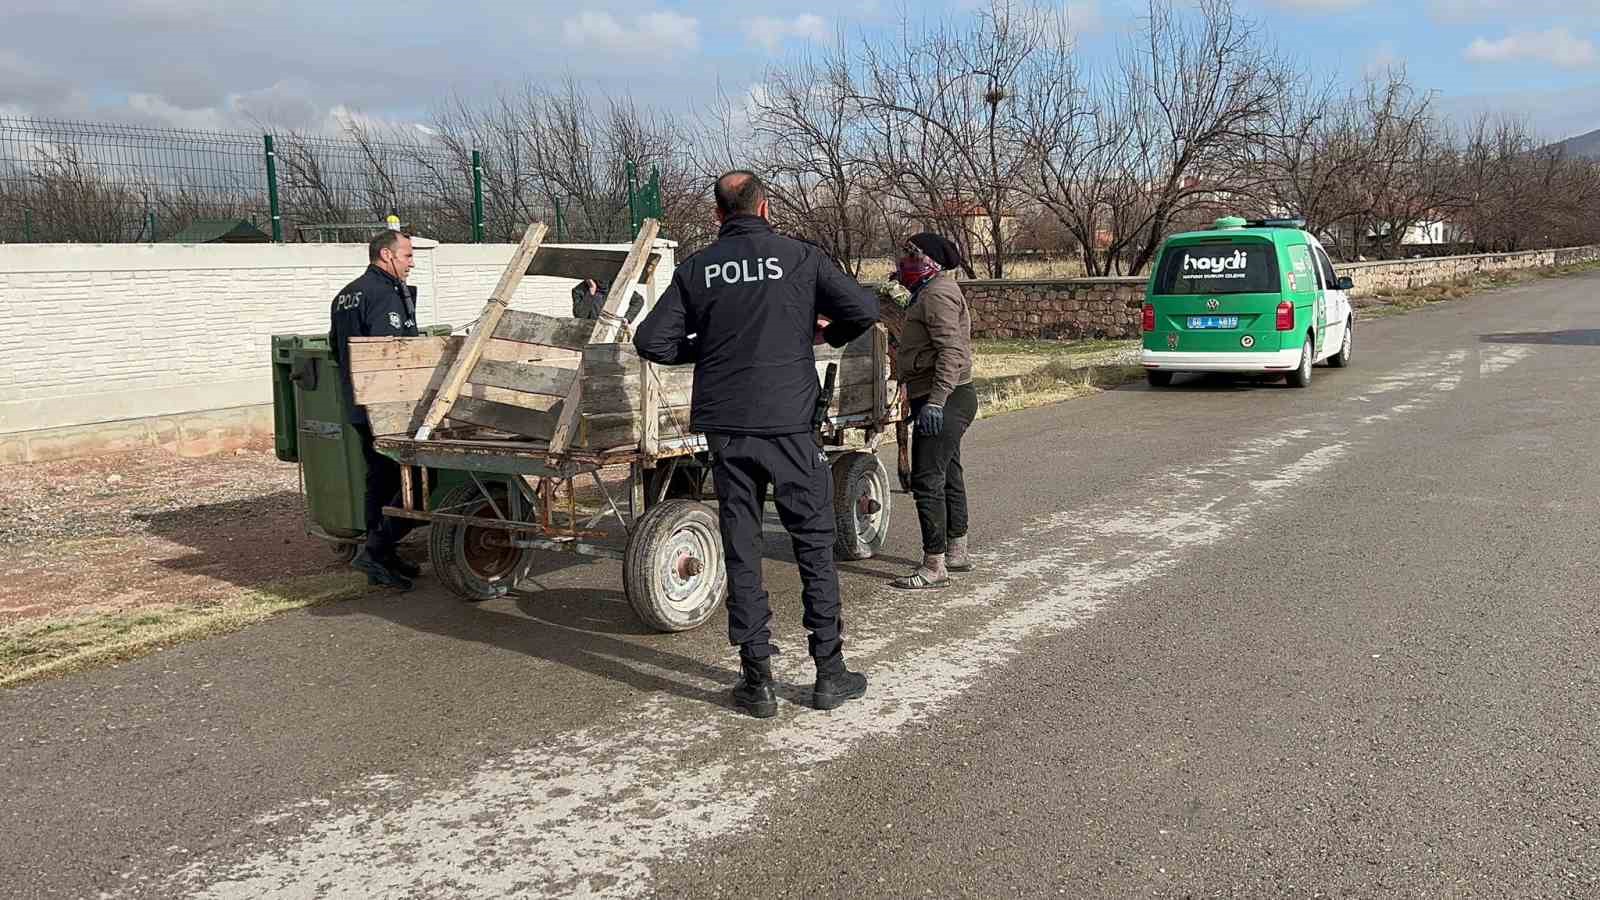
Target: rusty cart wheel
(344,551)
(674,575)
(474,562)
(861,495)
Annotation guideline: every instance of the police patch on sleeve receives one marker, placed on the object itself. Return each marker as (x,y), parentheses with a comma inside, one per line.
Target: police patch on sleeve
(394,320)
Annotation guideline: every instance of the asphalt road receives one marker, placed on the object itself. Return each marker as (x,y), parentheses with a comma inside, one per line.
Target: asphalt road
(1226,639)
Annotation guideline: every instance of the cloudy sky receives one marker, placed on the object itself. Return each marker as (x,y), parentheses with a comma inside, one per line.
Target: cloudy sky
(303,63)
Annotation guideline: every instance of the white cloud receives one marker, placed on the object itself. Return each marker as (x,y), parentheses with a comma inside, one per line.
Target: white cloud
(649,33)
(770,32)
(1490,10)
(1557,46)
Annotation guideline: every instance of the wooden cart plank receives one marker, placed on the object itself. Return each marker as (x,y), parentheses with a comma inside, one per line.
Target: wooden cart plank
(597,263)
(386,354)
(492,311)
(504,396)
(401,417)
(505,417)
(395,385)
(607,326)
(532,328)
(533,379)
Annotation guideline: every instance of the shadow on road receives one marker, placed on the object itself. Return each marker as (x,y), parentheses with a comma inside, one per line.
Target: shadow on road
(1222,383)
(1577,337)
(588,629)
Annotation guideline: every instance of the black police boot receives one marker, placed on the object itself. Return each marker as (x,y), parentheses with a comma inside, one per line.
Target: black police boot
(397,563)
(836,683)
(753,693)
(379,574)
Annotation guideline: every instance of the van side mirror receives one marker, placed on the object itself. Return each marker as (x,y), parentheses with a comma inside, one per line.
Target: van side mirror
(1346,283)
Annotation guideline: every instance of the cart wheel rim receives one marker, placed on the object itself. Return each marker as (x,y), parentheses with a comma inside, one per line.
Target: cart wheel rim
(485,551)
(871,492)
(687,564)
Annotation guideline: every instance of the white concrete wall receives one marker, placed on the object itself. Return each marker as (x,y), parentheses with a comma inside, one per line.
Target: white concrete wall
(95,333)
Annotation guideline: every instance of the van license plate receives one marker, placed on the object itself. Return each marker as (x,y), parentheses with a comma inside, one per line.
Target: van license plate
(1213,322)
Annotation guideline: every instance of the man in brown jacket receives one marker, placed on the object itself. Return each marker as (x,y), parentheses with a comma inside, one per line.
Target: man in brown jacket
(934,361)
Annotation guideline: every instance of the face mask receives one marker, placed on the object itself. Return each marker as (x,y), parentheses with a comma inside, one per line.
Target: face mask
(914,270)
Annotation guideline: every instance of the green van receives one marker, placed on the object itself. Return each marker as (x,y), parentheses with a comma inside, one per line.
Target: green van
(1247,296)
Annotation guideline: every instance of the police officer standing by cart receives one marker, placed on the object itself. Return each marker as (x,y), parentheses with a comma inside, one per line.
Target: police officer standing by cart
(378,304)
(745,312)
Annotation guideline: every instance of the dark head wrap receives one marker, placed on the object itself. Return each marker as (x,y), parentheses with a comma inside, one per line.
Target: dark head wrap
(941,250)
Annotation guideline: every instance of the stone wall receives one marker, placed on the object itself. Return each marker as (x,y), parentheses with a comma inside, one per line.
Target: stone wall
(1386,276)
(1110,307)
(1082,307)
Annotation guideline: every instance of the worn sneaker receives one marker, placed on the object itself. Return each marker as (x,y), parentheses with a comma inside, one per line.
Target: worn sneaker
(753,694)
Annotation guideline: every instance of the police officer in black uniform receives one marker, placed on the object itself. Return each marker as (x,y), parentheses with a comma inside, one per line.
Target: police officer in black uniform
(744,311)
(378,304)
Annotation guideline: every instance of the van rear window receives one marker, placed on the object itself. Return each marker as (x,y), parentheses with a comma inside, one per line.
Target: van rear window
(1220,268)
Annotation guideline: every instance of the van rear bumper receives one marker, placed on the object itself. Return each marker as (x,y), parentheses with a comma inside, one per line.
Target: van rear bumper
(1240,361)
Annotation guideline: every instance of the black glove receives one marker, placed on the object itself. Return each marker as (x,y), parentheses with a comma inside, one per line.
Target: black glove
(930,420)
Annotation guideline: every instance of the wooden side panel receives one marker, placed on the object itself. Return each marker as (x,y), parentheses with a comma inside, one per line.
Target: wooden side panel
(400,417)
(581,262)
(533,328)
(531,423)
(527,377)
(395,385)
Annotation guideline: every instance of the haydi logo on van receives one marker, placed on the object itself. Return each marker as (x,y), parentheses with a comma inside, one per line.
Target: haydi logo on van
(1231,266)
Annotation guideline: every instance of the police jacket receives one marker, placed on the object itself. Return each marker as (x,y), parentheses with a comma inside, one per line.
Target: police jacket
(375,305)
(744,311)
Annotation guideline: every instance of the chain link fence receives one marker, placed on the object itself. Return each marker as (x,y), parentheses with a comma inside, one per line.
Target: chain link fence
(108,183)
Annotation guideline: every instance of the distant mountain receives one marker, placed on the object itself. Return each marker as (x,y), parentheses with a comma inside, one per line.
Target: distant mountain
(1584,145)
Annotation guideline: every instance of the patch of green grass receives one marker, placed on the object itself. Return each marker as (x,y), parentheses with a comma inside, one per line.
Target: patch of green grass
(37,648)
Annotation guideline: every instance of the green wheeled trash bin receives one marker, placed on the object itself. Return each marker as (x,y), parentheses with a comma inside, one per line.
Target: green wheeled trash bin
(312,427)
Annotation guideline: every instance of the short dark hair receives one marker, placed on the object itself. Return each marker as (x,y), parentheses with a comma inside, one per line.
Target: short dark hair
(740,192)
(385,240)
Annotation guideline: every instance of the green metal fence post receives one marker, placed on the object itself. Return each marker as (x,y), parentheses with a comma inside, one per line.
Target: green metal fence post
(150,225)
(561,228)
(633,207)
(477,198)
(272,192)
(27,225)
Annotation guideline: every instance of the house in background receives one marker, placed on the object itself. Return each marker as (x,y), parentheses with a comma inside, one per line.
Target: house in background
(219,231)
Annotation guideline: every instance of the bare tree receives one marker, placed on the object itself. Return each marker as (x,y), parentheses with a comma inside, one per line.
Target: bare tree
(939,104)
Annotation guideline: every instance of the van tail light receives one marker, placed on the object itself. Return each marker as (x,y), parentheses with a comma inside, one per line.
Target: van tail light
(1285,316)
(1149,317)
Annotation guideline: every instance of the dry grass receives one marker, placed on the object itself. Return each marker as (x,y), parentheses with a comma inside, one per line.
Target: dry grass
(39,647)
(1012,375)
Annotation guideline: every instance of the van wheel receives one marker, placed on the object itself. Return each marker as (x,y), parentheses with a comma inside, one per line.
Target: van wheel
(1158,379)
(1342,358)
(1301,376)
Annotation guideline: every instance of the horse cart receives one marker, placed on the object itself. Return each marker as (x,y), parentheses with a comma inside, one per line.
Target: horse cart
(534,433)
